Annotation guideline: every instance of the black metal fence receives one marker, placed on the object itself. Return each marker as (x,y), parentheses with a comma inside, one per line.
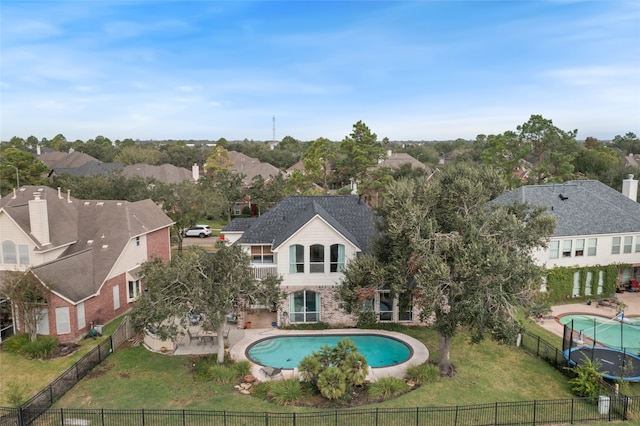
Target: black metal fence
(576,410)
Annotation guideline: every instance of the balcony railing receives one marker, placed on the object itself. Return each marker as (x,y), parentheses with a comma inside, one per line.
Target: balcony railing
(260,271)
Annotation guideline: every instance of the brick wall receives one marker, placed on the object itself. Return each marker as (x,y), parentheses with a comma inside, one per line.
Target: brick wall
(98,309)
(159,244)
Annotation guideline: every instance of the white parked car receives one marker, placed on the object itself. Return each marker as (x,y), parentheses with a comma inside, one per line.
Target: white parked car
(201,231)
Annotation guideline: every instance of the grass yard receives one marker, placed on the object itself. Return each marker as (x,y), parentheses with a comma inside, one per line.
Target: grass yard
(31,376)
(486,372)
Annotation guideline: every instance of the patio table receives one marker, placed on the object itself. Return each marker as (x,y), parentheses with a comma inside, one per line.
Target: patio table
(206,335)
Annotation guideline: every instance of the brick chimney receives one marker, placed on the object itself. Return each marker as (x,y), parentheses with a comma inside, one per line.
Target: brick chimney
(630,188)
(39,219)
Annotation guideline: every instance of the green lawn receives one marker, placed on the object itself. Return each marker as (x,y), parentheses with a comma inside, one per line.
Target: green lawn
(134,378)
(486,372)
(31,376)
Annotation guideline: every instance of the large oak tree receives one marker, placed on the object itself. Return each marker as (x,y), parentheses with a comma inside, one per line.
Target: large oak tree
(210,284)
(465,261)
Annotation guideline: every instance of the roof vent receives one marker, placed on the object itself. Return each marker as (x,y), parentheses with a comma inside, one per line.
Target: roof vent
(100,203)
(563,198)
(86,203)
(89,241)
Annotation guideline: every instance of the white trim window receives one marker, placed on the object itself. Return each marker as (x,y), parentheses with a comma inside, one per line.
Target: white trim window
(296,259)
(316,258)
(116,297)
(63,321)
(385,306)
(579,250)
(9,255)
(554,249)
(615,245)
(628,244)
(566,248)
(336,258)
(405,306)
(134,289)
(82,322)
(592,246)
(304,306)
(638,244)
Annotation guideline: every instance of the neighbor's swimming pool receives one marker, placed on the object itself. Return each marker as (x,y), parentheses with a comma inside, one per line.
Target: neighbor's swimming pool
(623,335)
(288,351)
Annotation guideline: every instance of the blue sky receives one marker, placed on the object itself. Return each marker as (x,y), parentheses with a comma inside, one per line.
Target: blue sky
(422,70)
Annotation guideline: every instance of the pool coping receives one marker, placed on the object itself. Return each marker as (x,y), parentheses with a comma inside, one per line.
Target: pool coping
(420,353)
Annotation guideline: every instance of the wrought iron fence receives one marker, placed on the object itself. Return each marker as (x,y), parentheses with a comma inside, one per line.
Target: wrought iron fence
(576,410)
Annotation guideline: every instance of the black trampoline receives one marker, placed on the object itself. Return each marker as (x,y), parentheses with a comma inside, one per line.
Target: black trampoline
(614,364)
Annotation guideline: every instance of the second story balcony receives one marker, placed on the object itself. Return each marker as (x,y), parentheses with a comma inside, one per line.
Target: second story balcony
(261,270)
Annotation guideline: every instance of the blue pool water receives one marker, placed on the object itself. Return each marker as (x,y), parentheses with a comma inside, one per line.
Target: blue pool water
(288,351)
(607,331)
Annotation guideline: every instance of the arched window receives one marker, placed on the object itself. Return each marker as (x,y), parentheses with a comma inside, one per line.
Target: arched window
(9,254)
(336,254)
(296,259)
(316,258)
(304,306)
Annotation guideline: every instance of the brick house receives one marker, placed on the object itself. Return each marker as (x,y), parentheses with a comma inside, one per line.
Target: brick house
(308,241)
(87,253)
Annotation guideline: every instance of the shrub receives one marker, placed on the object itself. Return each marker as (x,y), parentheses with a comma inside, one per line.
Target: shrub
(309,326)
(387,387)
(41,348)
(20,344)
(422,373)
(309,368)
(223,374)
(587,380)
(367,319)
(332,383)
(285,392)
(355,368)
(261,390)
(15,343)
(16,394)
(243,368)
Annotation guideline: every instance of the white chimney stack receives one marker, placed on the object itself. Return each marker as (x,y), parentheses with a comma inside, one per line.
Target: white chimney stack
(195,172)
(630,188)
(39,219)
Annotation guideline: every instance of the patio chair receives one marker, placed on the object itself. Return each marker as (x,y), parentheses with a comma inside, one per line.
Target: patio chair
(600,302)
(634,286)
(192,337)
(271,372)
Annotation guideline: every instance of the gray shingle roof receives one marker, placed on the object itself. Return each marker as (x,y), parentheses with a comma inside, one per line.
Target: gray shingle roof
(581,207)
(347,214)
(251,167)
(167,173)
(91,168)
(96,233)
(56,159)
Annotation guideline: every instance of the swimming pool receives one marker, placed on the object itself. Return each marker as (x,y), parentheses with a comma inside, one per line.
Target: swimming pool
(288,351)
(610,332)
